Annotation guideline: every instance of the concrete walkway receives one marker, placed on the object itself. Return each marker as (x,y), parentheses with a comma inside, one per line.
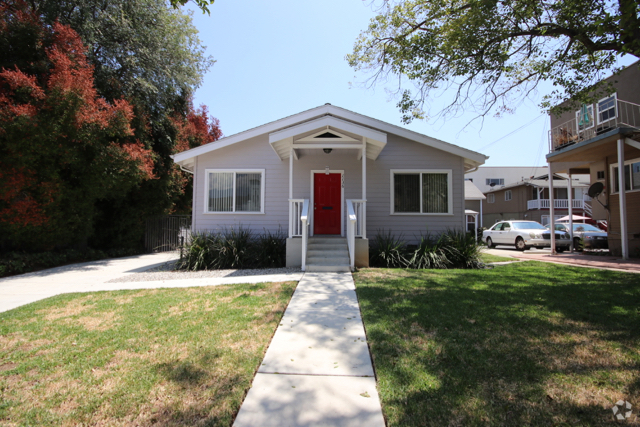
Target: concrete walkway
(94,276)
(317,370)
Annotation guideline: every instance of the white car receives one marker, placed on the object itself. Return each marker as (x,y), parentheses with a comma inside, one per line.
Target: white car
(523,235)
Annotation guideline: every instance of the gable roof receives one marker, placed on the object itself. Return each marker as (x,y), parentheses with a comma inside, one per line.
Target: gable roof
(471,158)
(471,192)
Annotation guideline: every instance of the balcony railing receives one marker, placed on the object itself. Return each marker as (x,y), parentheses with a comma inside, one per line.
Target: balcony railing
(627,114)
(557,204)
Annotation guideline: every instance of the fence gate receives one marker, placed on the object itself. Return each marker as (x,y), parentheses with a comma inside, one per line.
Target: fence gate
(166,233)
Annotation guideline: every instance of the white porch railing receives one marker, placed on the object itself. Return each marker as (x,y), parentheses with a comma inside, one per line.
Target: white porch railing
(304,219)
(587,206)
(627,114)
(352,219)
(557,204)
(360,210)
(295,212)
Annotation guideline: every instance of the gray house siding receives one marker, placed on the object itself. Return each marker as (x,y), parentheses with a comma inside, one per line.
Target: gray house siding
(253,153)
(400,153)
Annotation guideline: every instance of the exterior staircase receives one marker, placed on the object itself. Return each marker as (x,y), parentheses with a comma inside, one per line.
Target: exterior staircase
(327,254)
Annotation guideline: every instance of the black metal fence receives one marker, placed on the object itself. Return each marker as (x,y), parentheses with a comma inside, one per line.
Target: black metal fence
(167,233)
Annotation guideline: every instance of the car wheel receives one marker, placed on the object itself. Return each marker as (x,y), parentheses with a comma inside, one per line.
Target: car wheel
(560,249)
(577,244)
(490,243)
(520,245)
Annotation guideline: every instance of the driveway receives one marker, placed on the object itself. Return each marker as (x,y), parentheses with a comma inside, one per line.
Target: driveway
(85,277)
(599,260)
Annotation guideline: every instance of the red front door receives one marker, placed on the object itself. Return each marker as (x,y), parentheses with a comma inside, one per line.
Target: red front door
(327,203)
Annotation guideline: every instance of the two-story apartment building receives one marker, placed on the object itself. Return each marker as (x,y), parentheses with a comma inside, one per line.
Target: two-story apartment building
(529,200)
(603,140)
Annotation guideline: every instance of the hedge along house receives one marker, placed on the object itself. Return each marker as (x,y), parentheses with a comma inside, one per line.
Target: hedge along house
(331,178)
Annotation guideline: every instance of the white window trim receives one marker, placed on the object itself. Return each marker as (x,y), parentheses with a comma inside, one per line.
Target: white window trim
(491,198)
(593,122)
(235,171)
(612,176)
(449,173)
(507,199)
(615,107)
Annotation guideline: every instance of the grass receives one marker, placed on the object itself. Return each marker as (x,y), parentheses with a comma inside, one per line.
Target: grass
(166,356)
(522,344)
(487,258)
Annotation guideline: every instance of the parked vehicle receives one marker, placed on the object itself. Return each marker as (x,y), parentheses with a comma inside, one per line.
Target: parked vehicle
(586,236)
(524,235)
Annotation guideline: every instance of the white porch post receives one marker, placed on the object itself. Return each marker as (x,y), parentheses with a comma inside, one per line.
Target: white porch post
(364,189)
(622,197)
(290,192)
(481,225)
(570,188)
(540,194)
(552,220)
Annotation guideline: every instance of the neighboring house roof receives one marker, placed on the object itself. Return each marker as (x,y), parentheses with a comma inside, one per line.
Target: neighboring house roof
(563,183)
(471,192)
(329,115)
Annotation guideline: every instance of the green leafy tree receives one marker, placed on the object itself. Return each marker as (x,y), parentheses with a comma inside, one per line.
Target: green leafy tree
(494,53)
(202,4)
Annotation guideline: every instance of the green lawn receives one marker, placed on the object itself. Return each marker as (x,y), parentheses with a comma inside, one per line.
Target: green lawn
(522,344)
(487,258)
(167,357)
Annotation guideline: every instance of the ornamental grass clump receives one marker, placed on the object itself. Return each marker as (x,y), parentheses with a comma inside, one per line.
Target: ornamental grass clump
(464,249)
(451,249)
(432,253)
(233,249)
(387,251)
(271,249)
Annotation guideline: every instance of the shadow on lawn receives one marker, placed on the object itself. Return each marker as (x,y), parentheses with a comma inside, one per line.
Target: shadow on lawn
(527,344)
(203,396)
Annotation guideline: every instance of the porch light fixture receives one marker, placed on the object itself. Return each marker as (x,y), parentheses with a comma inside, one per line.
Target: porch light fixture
(327,150)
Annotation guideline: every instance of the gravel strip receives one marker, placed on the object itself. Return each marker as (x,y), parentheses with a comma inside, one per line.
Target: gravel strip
(166,272)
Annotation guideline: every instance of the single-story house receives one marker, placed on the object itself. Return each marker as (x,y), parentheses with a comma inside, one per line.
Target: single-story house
(329,177)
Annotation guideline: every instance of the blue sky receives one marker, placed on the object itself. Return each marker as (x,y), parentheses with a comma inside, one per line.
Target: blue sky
(279,58)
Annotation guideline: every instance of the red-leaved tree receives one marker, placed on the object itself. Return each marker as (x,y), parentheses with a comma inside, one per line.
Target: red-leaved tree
(194,129)
(62,147)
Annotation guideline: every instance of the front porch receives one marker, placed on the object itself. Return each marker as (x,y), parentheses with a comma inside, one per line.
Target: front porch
(332,155)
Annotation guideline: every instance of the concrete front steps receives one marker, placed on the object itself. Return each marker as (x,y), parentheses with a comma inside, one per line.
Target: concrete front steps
(328,254)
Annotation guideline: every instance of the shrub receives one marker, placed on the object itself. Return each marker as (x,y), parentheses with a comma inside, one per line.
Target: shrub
(387,251)
(271,249)
(464,249)
(431,253)
(235,248)
(451,249)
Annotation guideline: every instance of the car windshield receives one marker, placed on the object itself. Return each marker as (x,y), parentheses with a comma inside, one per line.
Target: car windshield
(585,227)
(527,225)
